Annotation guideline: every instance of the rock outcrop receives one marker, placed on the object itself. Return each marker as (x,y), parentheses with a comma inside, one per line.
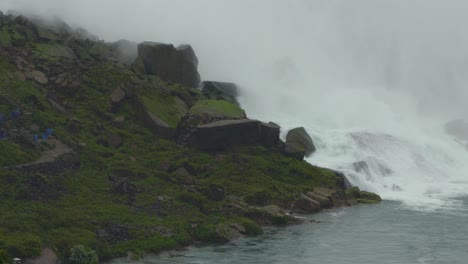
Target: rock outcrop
(225,133)
(220,91)
(178,65)
(159,127)
(298,143)
(307,205)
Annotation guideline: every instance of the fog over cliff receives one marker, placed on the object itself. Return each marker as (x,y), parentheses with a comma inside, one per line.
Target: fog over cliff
(340,68)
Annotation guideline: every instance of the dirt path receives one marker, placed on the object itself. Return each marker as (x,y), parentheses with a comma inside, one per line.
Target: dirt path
(58,150)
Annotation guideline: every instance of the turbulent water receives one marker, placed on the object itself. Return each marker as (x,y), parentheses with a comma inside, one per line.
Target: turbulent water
(386,233)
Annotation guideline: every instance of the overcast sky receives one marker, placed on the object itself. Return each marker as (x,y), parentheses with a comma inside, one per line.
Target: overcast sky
(293,50)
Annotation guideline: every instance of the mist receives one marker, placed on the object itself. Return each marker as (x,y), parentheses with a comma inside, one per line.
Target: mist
(337,67)
(418,48)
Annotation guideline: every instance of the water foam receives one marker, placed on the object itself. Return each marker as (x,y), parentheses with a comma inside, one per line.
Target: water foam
(407,159)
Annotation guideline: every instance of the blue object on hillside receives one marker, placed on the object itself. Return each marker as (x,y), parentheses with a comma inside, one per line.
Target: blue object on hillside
(15,114)
(2,118)
(35,138)
(44,136)
(3,134)
(49,131)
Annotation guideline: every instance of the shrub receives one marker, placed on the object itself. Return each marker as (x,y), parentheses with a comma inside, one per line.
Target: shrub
(3,256)
(81,255)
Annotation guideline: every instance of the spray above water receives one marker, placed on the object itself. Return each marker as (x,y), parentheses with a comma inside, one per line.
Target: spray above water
(374,81)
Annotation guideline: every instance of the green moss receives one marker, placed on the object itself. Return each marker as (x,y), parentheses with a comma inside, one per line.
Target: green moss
(353,192)
(3,256)
(368,197)
(367,201)
(5,39)
(162,104)
(251,228)
(217,108)
(13,154)
(55,50)
(206,233)
(21,244)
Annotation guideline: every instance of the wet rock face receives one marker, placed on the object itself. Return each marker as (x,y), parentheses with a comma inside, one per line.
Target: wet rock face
(299,144)
(169,63)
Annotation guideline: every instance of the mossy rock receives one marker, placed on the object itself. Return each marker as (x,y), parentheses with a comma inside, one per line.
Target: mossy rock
(55,50)
(353,192)
(217,108)
(362,196)
(367,201)
(159,102)
(368,197)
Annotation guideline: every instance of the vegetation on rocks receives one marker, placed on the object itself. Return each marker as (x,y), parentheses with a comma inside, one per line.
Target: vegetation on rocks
(123,188)
(217,108)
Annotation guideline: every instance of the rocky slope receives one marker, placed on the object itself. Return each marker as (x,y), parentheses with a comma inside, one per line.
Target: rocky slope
(115,147)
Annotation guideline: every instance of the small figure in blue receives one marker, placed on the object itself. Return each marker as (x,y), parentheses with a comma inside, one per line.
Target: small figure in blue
(35,138)
(49,131)
(3,134)
(15,114)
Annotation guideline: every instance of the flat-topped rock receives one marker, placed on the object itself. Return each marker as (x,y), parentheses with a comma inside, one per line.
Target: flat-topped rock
(224,133)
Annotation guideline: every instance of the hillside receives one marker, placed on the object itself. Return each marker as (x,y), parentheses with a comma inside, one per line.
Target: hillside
(114,146)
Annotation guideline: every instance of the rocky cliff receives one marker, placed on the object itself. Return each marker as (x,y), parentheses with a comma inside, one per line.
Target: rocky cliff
(115,147)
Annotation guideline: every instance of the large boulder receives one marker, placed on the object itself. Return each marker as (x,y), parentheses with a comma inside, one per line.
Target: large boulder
(159,127)
(325,202)
(220,91)
(227,233)
(169,63)
(224,133)
(298,143)
(305,204)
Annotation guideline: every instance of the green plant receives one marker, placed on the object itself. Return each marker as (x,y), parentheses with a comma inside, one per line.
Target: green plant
(3,257)
(81,255)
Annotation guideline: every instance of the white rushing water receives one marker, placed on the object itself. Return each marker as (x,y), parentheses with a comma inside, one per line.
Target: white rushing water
(409,161)
(376,83)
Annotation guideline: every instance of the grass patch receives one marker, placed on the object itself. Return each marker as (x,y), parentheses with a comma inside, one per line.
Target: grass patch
(217,108)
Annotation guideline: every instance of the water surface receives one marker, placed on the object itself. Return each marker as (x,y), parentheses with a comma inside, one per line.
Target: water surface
(386,233)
